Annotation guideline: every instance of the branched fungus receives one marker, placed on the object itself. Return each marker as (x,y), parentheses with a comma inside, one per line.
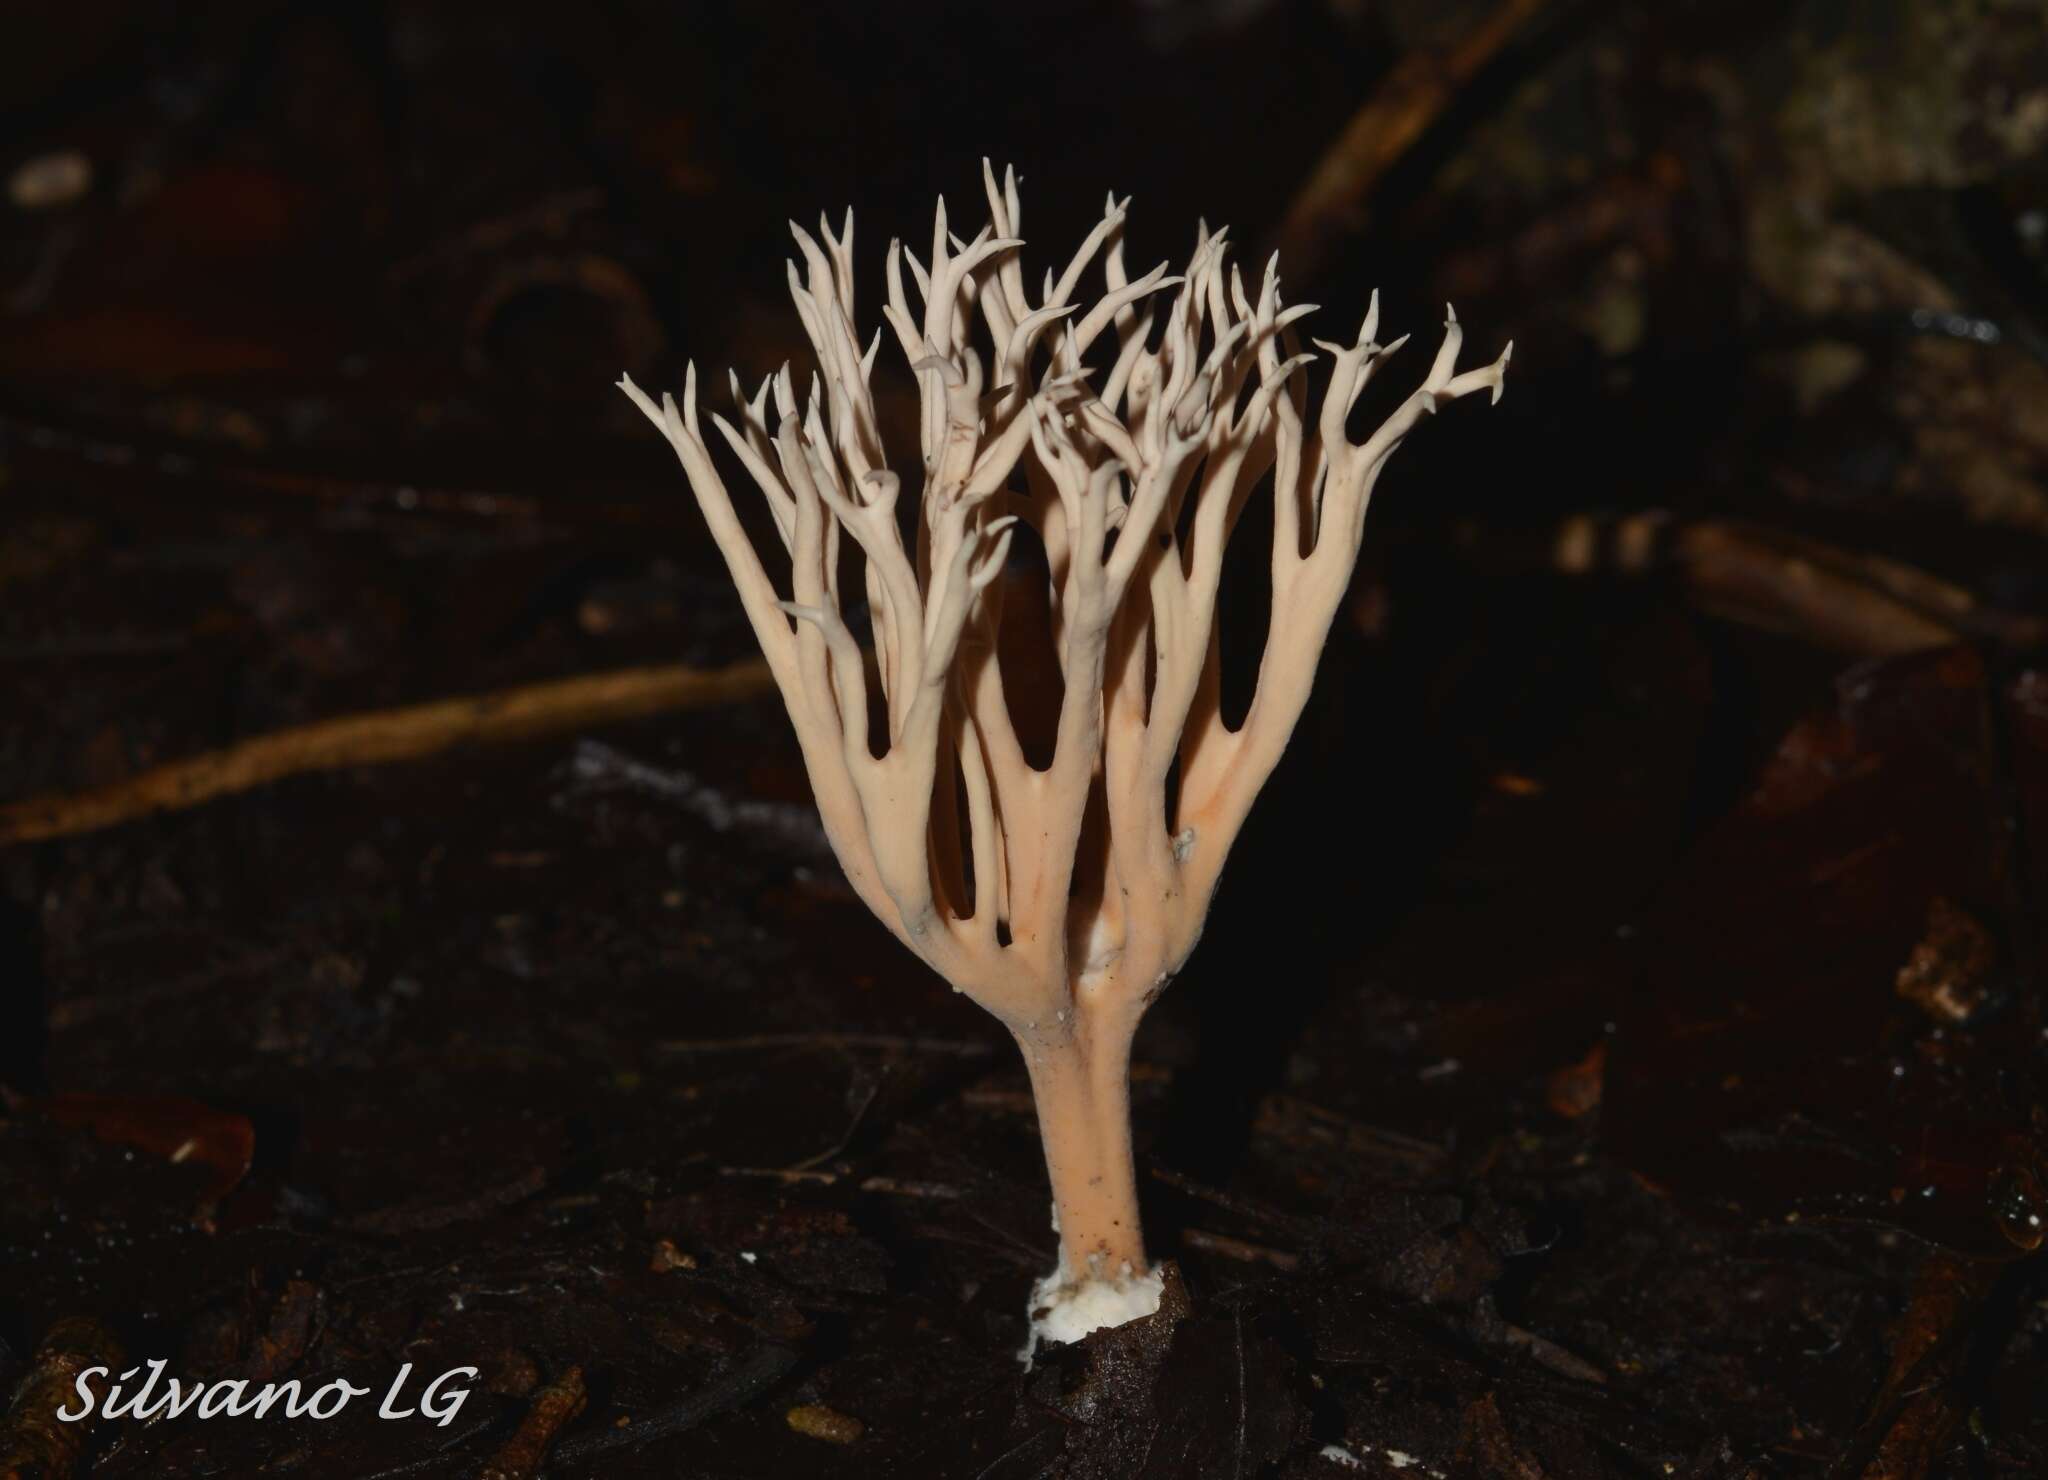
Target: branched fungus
(1058,884)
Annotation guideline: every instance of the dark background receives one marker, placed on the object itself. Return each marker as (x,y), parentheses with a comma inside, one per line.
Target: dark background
(1616,1048)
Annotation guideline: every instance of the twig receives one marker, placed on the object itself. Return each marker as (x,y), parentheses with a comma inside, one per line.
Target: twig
(34,1443)
(1487,1447)
(1236,1248)
(1846,600)
(128,997)
(1553,1356)
(522,1455)
(1411,98)
(383,736)
(867,1103)
(1917,1406)
(1294,1120)
(788,1176)
(899,1187)
(751,1042)
(1255,1212)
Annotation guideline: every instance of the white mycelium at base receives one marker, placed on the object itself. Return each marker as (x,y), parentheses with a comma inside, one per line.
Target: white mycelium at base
(1066,1309)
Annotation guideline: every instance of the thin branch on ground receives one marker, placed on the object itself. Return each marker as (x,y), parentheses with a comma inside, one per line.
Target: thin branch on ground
(380,737)
(1407,103)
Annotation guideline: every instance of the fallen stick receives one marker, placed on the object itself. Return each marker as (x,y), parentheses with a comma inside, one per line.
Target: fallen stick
(967,1049)
(1406,104)
(35,1444)
(1920,1402)
(526,1451)
(383,736)
(1846,600)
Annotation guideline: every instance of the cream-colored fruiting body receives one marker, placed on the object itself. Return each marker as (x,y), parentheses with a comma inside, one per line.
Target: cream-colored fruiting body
(1126,432)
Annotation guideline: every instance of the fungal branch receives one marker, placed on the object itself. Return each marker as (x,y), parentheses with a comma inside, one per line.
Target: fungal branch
(1125,431)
